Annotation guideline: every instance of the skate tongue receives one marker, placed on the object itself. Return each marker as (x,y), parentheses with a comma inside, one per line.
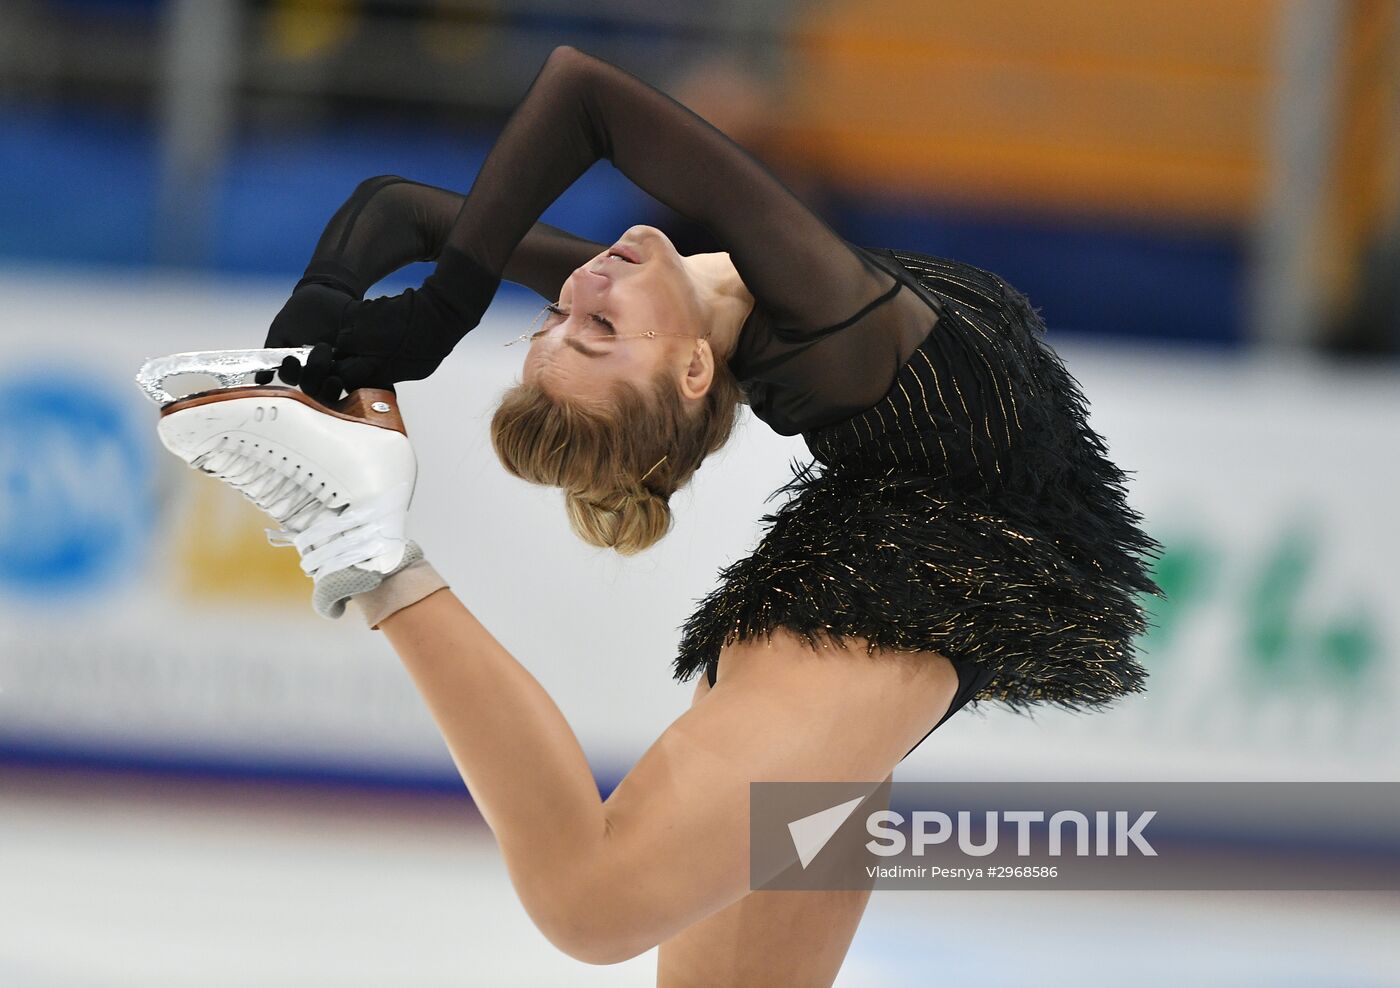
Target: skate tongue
(229,367)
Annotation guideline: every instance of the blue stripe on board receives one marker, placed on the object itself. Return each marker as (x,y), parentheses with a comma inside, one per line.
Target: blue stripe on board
(195,765)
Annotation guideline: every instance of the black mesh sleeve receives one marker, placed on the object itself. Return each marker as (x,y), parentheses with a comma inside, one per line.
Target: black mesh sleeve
(580,109)
(810,286)
(389,222)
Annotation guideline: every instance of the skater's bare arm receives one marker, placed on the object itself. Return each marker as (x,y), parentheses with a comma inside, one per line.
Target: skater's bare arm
(606,881)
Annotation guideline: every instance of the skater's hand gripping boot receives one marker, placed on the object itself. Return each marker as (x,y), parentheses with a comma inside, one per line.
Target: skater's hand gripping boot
(312,317)
(383,341)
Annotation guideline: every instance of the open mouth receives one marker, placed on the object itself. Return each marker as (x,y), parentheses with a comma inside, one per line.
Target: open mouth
(626,252)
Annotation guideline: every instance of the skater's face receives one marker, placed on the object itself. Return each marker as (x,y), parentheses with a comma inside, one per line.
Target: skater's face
(598,332)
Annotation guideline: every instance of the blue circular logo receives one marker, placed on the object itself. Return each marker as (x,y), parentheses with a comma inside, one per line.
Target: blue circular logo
(76,491)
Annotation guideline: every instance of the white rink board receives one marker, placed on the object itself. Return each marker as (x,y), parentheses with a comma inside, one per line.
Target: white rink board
(1268,483)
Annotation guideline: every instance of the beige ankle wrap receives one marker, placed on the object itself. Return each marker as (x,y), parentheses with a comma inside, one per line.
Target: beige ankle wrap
(408,586)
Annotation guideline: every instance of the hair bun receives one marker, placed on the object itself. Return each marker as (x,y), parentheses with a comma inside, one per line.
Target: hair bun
(626,521)
(618,462)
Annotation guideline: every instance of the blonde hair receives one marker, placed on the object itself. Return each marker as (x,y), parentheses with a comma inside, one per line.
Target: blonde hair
(618,463)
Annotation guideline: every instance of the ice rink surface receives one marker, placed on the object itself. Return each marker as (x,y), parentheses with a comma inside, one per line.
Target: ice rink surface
(154,882)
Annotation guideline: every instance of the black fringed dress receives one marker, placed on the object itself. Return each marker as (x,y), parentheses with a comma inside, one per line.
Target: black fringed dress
(972,511)
(959,502)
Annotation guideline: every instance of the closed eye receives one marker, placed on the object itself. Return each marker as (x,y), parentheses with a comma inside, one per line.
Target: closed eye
(598,317)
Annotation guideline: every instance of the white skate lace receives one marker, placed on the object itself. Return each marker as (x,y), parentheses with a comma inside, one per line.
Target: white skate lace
(346,536)
(329,536)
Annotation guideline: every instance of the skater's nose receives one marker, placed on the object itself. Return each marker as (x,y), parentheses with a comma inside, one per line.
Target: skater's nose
(590,287)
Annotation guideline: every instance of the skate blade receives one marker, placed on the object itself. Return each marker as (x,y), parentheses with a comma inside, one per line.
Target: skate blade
(368,406)
(228,367)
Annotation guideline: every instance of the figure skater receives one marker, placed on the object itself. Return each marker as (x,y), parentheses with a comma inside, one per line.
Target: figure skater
(961,535)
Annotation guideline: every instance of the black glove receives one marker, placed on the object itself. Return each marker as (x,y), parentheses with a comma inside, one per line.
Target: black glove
(396,338)
(312,316)
(384,341)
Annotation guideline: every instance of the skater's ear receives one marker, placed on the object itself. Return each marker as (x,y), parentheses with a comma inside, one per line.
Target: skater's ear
(699,372)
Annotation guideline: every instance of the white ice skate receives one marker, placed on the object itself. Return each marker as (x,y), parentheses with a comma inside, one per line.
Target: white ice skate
(337,480)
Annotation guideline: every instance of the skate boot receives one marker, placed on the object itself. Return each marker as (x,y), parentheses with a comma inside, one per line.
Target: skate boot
(338,481)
